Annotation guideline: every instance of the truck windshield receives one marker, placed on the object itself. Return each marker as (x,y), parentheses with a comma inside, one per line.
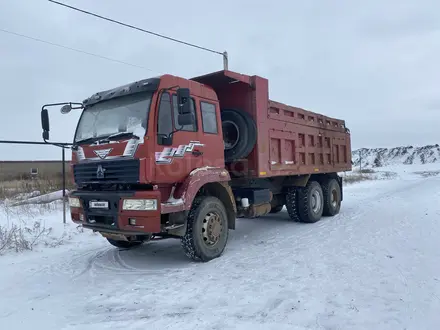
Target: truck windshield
(127,114)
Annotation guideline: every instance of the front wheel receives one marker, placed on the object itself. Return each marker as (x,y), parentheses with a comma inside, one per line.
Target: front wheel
(207,229)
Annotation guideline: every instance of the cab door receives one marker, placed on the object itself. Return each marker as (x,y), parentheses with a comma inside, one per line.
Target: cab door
(177,157)
(210,130)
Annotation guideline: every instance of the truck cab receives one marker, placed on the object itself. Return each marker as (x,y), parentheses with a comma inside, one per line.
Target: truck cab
(140,122)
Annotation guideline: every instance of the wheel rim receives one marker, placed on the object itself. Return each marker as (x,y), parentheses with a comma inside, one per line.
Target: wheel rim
(334,198)
(212,228)
(316,201)
(231,134)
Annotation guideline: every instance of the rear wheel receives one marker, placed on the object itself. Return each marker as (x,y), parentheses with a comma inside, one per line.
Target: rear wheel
(292,204)
(310,202)
(207,229)
(332,197)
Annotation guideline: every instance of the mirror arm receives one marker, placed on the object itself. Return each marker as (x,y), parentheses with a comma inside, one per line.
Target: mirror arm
(175,131)
(80,105)
(73,105)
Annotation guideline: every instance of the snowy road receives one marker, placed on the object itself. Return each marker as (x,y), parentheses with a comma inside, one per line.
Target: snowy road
(374,266)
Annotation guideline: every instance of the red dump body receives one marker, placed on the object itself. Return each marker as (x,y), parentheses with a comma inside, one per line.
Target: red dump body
(290,140)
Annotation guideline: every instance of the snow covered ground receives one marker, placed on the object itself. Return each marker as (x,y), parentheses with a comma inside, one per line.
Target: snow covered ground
(374,266)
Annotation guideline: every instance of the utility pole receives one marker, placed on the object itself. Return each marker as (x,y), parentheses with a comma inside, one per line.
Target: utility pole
(63,168)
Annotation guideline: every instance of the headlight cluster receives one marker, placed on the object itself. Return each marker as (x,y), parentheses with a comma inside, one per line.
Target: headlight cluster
(74,202)
(127,205)
(139,205)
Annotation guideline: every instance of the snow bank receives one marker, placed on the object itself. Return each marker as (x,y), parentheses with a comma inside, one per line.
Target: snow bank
(40,199)
(406,155)
(391,172)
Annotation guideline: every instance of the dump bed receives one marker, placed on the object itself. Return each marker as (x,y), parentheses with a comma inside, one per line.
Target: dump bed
(290,140)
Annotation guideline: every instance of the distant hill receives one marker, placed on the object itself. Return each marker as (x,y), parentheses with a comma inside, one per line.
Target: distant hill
(378,157)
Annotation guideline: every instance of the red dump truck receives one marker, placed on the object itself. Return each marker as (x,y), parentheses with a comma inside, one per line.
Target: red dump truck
(169,157)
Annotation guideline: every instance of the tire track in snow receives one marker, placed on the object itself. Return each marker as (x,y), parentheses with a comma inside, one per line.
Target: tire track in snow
(317,236)
(110,261)
(302,235)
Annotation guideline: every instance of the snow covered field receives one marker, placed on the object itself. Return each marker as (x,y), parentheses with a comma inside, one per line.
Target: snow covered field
(374,266)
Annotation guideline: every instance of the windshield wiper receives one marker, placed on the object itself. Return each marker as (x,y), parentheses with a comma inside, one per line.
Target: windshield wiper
(120,135)
(106,138)
(87,140)
(92,139)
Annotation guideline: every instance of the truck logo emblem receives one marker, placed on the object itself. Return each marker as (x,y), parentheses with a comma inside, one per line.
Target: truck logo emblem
(167,155)
(100,172)
(102,153)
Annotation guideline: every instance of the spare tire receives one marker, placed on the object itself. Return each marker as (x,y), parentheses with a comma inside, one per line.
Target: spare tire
(239,134)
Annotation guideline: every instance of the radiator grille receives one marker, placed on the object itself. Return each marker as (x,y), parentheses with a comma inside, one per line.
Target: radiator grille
(121,171)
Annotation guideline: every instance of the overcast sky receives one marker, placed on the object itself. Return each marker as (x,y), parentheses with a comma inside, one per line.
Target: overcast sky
(372,63)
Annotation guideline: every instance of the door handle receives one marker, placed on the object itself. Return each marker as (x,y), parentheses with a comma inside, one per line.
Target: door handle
(197,153)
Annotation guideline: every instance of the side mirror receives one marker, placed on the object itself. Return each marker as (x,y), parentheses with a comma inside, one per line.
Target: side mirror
(45,123)
(183,100)
(184,119)
(164,140)
(66,109)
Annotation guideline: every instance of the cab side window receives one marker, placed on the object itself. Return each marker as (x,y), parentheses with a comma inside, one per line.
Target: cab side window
(164,122)
(189,128)
(209,117)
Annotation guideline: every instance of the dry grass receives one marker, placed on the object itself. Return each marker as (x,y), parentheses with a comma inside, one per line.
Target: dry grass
(25,237)
(368,174)
(21,238)
(427,174)
(387,175)
(357,177)
(367,171)
(10,189)
(22,228)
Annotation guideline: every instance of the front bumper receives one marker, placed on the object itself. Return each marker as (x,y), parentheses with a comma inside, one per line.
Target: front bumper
(114,219)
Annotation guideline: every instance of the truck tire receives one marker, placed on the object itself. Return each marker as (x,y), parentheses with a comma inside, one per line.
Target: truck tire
(206,230)
(277,209)
(310,202)
(292,204)
(332,197)
(239,134)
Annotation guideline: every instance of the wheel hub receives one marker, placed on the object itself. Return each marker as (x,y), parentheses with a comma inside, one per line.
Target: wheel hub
(231,134)
(316,201)
(212,228)
(334,200)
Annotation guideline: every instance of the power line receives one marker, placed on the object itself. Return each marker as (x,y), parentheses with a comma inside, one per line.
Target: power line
(135,27)
(73,49)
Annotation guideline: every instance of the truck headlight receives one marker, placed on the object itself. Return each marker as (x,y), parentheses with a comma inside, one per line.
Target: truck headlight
(140,204)
(74,202)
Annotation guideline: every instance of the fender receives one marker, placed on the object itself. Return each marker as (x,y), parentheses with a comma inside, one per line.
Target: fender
(185,193)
